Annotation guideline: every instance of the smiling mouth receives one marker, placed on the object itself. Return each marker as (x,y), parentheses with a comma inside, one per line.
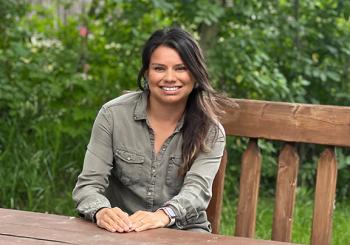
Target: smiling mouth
(172,89)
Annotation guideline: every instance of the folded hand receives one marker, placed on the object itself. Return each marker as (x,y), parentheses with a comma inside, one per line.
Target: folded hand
(143,220)
(113,219)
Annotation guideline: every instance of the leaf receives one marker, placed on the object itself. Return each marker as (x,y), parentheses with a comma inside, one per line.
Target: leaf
(334,76)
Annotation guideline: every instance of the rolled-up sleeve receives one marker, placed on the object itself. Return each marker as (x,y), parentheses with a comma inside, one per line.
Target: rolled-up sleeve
(98,162)
(196,192)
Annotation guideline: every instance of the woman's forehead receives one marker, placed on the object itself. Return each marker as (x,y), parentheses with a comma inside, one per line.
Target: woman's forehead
(164,54)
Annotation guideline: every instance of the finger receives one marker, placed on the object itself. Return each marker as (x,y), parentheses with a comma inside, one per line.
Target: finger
(114,224)
(137,224)
(124,217)
(120,212)
(103,220)
(120,218)
(108,224)
(107,218)
(105,225)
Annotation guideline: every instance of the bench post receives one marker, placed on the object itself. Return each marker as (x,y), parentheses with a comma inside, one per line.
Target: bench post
(324,198)
(248,190)
(288,165)
(215,206)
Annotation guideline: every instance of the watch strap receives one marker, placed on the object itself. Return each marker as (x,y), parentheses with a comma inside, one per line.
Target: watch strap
(170,213)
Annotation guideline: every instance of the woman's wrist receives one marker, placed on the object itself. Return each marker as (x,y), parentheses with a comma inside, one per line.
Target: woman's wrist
(95,215)
(169,212)
(163,217)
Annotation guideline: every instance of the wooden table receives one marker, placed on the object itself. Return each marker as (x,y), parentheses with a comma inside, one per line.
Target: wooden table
(20,227)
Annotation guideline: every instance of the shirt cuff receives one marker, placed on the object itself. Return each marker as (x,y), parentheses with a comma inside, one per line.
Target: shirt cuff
(89,208)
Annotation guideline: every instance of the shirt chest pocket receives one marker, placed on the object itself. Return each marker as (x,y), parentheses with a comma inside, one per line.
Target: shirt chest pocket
(129,166)
(174,179)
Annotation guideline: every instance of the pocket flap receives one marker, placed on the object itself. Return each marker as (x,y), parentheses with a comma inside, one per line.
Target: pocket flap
(129,157)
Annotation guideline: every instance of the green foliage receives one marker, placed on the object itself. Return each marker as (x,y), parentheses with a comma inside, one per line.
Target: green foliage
(294,51)
(54,79)
(35,171)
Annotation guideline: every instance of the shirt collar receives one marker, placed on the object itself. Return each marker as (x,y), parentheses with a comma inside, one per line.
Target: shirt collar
(180,124)
(140,111)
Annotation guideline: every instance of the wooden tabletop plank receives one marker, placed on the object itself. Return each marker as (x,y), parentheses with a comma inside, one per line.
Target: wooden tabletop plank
(18,226)
(11,240)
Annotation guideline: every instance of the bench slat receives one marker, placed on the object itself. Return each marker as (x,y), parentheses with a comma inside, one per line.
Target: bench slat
(288,165)
(215,206)
(318,124)
(248,190)
(324,198)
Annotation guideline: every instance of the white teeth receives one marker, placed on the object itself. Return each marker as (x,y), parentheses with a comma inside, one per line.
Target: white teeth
(170,88)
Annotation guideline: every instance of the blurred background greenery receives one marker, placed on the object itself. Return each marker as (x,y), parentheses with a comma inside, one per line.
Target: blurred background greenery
(61,60)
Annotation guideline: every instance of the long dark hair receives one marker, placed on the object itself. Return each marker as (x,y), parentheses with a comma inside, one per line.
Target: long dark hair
(202,108)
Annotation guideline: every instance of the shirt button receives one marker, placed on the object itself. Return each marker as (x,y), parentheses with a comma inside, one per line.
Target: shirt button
(128,158)
(153,170)
(149,193)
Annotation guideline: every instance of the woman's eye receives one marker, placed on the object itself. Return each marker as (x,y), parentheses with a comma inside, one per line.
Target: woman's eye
(159,68)
(181,68)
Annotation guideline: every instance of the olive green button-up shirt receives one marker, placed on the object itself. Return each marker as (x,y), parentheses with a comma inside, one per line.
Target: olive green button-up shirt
(122,170)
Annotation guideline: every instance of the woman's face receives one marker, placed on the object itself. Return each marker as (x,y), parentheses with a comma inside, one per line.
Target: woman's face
(169,80)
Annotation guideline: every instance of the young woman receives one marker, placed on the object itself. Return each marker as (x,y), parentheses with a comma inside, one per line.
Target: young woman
(153,154)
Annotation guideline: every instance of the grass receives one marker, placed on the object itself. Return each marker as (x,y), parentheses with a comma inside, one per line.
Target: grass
(302,219)
(38,173)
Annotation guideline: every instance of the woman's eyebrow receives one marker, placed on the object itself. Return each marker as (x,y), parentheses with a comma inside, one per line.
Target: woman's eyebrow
(158,64)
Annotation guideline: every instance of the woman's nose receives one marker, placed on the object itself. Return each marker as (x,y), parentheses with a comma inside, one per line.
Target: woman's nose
(169,75)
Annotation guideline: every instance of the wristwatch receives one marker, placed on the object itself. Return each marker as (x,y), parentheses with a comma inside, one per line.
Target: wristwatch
(171,214)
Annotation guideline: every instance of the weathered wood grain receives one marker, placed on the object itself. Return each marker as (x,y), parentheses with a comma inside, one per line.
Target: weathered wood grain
(54,229)
(288,165)
(319,124)
(324,198)
(15,240)
(248,190)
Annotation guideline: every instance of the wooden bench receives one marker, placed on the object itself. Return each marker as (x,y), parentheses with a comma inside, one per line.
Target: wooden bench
(290,123)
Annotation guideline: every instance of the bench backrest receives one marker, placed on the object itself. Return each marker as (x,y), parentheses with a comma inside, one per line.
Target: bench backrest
(291,123)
